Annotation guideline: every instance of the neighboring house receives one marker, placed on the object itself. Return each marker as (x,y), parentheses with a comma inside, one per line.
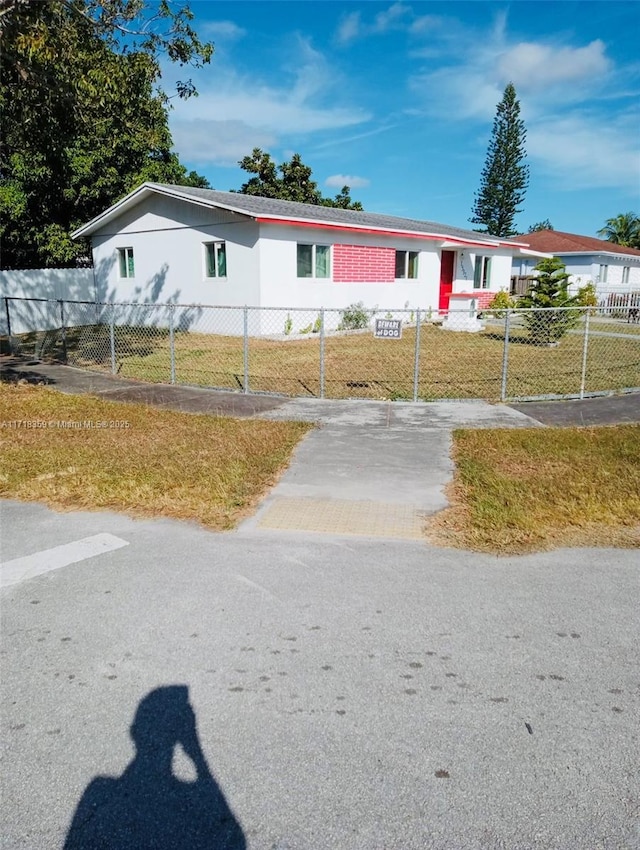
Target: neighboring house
(166,243)
(611,268)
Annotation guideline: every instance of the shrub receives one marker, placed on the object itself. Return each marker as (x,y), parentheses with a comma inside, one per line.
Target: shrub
(586,296)
(355,317)
(501,302)
(288,325)
(317,325)
(546,321)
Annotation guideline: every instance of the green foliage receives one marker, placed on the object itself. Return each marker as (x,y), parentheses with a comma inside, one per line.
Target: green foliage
(505,177)
(317,325)
(84,121)
(623,229)
(540,225)
(306,329)
(501,302)
(355,317)
(586,296)
(293,184)
(549,290)
(288,325)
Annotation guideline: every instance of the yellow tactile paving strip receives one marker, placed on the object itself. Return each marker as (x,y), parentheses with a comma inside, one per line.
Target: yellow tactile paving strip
(339,516)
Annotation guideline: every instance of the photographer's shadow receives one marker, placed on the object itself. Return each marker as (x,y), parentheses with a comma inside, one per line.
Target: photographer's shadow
(148,807)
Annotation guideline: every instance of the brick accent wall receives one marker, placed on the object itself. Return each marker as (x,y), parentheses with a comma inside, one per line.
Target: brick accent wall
(363,264)
(483,297)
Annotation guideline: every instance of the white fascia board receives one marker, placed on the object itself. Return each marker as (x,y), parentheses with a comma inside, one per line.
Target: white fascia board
(452,241)
(138,195)
(631,257)
(120,206)
(529,252)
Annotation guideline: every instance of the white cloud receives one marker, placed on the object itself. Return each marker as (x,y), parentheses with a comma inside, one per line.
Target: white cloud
(392,17)
(555,81)
(349,28)
(337,181)
(236,111)
(532,66)
(220,142)
(226,30)
(579,152)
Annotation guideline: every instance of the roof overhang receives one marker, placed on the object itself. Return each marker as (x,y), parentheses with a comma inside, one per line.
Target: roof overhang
(138,195)
(587,253)
(448,241)
(148,189)
(529,252)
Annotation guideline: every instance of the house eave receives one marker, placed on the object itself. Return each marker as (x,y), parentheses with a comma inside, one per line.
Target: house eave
(386,231)
(135,197)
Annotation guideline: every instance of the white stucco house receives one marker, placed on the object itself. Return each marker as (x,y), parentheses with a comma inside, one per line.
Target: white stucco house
(611,268)
(166,243)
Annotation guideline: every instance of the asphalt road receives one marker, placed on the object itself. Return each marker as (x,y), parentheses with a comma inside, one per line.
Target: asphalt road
(346,692)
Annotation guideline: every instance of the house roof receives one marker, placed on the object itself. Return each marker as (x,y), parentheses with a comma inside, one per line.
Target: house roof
(289,212)
(557,242)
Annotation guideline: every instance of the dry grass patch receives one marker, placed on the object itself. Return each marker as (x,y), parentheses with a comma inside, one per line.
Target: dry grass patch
(452,365)
(197,467)
(527,489)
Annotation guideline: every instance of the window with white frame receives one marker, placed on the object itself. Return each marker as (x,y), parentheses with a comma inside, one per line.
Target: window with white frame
(482,272)
(314,260)
(406,264)
(625,274)
(125,256)
(215,259)
(603,274)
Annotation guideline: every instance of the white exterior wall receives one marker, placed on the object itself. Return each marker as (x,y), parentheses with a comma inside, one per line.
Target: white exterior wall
(281,287)
(585,268)
(167,237)
(500,275)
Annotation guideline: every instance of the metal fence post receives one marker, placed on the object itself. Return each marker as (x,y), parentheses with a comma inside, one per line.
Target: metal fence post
(172,343)
(585,349)
(322,352)
(64,332)
(8,312)
(416,358)
(245,350)
(112,338)
(505,357)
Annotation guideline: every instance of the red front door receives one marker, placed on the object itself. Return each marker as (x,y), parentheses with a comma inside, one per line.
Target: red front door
(446,278)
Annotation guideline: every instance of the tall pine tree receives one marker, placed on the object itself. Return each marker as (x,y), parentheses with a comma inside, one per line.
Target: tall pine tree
(505,176)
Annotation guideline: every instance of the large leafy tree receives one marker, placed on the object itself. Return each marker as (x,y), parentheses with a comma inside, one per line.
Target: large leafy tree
(505,176)
(289,181)
(84,118)
(623,229)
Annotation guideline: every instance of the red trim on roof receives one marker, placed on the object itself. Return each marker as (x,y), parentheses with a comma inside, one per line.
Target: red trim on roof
(346,228)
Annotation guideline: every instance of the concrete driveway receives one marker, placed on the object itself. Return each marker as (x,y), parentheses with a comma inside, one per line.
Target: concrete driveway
(348,692)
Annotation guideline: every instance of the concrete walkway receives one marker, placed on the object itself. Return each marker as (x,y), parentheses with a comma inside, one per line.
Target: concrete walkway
(372,469)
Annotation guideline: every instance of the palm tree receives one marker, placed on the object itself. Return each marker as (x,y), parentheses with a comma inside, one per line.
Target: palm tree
(624,230)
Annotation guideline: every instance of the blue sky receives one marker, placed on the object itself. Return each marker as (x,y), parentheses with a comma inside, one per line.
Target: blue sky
(397,100)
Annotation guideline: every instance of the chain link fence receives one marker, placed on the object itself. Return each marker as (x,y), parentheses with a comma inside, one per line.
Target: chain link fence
(503,355)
